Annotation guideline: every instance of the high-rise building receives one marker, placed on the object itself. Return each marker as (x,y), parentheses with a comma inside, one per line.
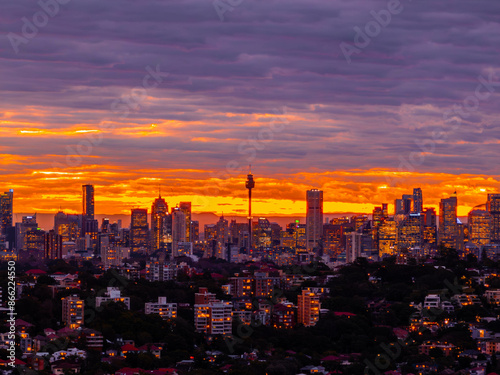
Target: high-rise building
(159,211)
(73,311)
(379,214)
(353,246)
(6,213)
(186,208)
(479,223)
(250,184)
(195,230)
(403,206)
(178,229)
(417,200)
(88,201)
(90,226)
(387,237)
(139,230)
(493,207)
(410,232)
(53,245)
(66,226)
(27,223)
(314,217)
(333,239)
(430,227)
(448,225)
(308,308)
(222,238)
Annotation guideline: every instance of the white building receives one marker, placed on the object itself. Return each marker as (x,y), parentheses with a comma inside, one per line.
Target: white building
(112,295)
(432,301)
(162,308)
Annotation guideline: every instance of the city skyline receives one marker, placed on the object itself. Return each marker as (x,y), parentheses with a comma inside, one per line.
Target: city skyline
(299,205)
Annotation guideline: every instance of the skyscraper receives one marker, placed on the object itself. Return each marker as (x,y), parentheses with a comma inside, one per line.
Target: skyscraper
(410,232)
(479,223)
(6,209)
(88,201)
(178,229)
(430,228)
(417,200)
(159,212)
(250,184)
(314,217)
(403,206)
(448,226)
(139,229)
(493,207)
(90,226)
(186,208)
(53,245)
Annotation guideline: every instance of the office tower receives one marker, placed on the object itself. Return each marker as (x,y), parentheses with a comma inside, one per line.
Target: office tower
(262,233)
(480,227)
(333,239)
(314,217)
(53,245)
(6,212)
(379,214)
(195,230)
(238,234)
(403,206)
(28,222)
(35,243)
(178,229)
(410,232)
(417,200)
(250,184)
(493,207)
(430,227)
(186,209)
(88,201)
(139,230)
(90,226)
(385,209)
(67,226)
(159,211)
(308,308)
(222,238)
(105,226)
(353,246)
(359,221)
(448,226)
(72,311)
(387,237)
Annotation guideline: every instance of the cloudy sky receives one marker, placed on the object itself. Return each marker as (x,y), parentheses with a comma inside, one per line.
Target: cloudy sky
(128,95)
